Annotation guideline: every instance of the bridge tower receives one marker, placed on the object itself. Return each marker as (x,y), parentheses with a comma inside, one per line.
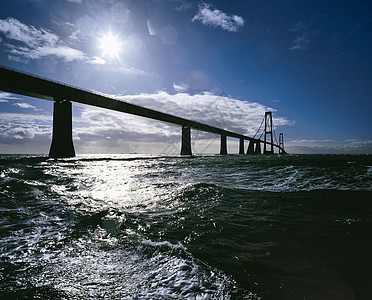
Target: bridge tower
(281,143)
(268,133)
(62,145)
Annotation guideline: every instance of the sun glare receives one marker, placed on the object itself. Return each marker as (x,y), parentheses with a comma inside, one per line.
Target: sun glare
(111,45)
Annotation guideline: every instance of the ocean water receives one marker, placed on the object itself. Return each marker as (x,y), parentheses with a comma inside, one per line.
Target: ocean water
(170,227)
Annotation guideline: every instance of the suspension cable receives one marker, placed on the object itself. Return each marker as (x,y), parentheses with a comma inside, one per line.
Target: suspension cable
(259,128)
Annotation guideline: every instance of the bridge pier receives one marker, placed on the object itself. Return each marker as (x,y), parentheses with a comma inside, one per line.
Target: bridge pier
(258,148)
(281,143)
(223,150)
(241,146)
(62,145)
(250,149)
(186,141)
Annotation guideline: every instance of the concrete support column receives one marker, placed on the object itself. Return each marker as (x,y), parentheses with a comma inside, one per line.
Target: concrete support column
(251,147)
(62,144)
(258,148)
(186,141)
(241,146)
(223,150)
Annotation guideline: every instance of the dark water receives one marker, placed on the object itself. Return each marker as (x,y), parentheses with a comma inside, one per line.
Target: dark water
(234,227)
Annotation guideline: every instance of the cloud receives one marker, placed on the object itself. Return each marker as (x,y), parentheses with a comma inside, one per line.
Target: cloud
(216,18)
(221,111)
(184,6)
(136,72)
(102,130)
(24,105)
(97,61)
(301,42)
(36,43)
(305,31)
(17,128)
(5,97)
(327,146)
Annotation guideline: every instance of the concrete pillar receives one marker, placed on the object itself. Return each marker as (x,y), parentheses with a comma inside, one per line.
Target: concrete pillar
(251,147)
(223,150)
(281,143)
(62,144)
(258,148)
(241,146)
(186,141)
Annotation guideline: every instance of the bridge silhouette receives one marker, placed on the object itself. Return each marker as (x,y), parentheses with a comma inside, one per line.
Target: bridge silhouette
(18,82)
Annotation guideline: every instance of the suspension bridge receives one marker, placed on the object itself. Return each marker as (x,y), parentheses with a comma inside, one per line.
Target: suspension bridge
(18,82)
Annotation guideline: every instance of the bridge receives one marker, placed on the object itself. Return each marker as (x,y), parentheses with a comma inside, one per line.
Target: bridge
(18,82)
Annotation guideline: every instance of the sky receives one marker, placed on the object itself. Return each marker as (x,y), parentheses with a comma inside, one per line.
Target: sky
(223,63)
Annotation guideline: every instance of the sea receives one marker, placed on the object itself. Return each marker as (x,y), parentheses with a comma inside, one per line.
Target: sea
(197,227)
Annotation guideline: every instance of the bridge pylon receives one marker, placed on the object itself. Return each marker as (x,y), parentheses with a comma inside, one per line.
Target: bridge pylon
(258,148)
(223,149)
(241,146)
(186,141)
(281,143)
(268,134)
(62,145)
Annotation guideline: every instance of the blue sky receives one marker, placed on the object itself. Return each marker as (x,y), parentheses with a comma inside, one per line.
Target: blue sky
(307,61)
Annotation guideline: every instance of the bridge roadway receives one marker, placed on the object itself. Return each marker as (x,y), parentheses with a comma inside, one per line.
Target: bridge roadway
(27,84)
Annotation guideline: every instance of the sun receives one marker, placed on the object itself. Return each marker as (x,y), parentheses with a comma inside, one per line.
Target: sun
(110,45)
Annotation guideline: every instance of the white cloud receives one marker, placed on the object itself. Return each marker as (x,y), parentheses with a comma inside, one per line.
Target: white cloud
(24,105)
(221,111)
(316,146)
(37,43)
(216,18)
(5,97)
(136,72)
(97,61)
(101,130)
(17,127)
(92,129)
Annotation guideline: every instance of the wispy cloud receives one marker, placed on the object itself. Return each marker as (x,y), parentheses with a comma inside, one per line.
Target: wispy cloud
(184,6)
(97,61)
(302,36)
(24,105)
(36,43)
(5,97)
(300,43)
(216,18)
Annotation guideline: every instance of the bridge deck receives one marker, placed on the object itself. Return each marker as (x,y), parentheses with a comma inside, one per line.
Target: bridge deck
(17,82)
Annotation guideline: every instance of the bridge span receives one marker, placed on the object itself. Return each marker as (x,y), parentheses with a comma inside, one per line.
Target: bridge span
(27,84)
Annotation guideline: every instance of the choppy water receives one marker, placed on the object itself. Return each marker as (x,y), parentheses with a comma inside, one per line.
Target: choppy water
(154,227)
